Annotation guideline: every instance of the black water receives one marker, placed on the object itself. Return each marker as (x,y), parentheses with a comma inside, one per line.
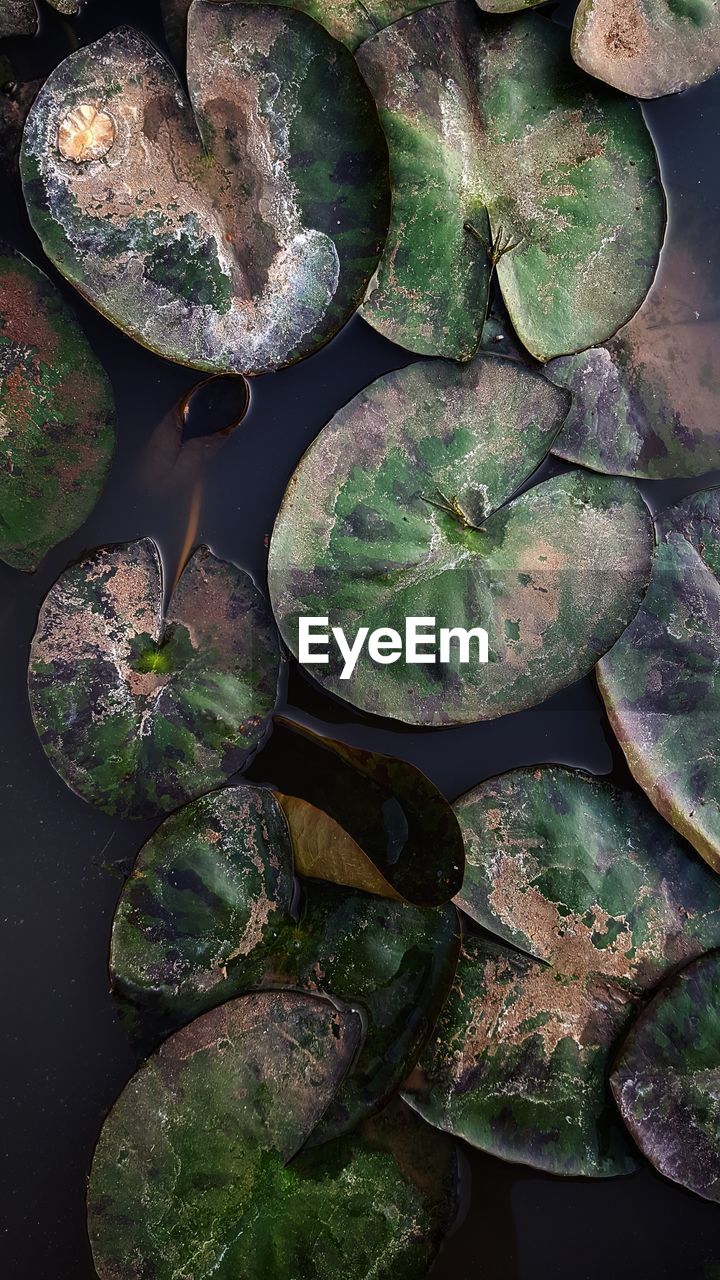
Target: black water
(64,1055)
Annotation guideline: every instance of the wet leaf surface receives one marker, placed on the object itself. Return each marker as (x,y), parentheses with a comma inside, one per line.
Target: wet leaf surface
(665,1080)
(403,507)
(602,900)
(660,682)
(566,172)
(388,807)
(56,416)
(647,47)
(140,709)
(209,912)
(18,18)
(236,231)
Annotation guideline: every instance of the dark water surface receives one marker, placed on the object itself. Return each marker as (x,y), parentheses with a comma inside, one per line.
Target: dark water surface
(65,1056)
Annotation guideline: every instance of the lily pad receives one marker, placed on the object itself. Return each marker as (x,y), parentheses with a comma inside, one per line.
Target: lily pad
(209,912)
(602,901)
(56,416)
(647,47)
(389,809)
(18,18)
(235,231)
(404,507)
(567,175)
(661,681)
(190,1174)
(139,709)
(665,1079)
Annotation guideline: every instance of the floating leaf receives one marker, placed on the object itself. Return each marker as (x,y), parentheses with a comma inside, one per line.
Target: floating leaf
(324,851)
(665,1079)
(56,416)
(138,710)
(647,403)
(403,507)
(233,232)
(207,914)
(566,173)
(18,18)
(604,901)
(390,809)
(661,681)
(647,47)
(190,1174)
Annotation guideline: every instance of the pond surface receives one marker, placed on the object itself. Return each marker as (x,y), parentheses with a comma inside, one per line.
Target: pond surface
(65,1055)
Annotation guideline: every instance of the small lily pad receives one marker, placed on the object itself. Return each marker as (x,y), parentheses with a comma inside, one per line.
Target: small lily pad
(404,507)
(647,47)
(567,176)
(18,18)
(139,709)
(665,1080)
(235,231)
(661,681)
(209,912)
(56,416)
(602,901)
(191,1172)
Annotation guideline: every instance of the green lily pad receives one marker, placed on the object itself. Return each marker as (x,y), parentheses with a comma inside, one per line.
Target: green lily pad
(404,507)
(235,231)
(602,901)
(647,47)
(56,416)
(647,403)
(139,709)
(190,1174)
(566,173)
(18,18)
(402,825)
(661,681)
(208,913)
(665,1080)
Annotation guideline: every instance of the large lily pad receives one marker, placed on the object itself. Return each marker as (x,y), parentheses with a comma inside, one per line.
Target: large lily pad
(661,681)
(139,709)
(402,826)
(235,231)
(665,1079)
(602,900)
(403,507)
(566,174)
(190,1175)
(208,913)
(647,47)
(56,416)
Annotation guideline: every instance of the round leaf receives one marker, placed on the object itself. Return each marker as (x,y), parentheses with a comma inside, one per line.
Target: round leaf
(139,711)
(18,18)
(56,416)
(190,1173)
(647,47)
(567,174)
(397,511)
(661,681)
(665,1079)
(233,232)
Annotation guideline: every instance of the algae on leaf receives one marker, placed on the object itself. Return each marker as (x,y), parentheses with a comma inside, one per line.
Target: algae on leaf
(139,709)
(648,47)
(234,231)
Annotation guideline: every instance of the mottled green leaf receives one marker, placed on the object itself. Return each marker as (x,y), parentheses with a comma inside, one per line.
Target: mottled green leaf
(388,807)
(56,416)
(647,403)
(190,1175)
(403,507)
(234,231)
(209,912)
(661,681)
(490,118)
(18,18)
(139,710)
(665,1080)
(603,900)
(647,47)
